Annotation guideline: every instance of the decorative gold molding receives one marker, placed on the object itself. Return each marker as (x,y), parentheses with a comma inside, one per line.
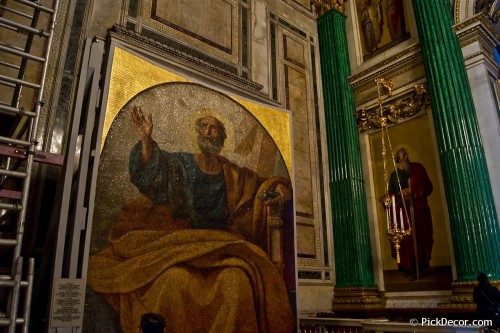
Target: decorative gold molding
(461,297)
(400,73)
(393,113)
(474,55)
(324,6)
(356,298)
(392,74)
(476,39)
(474,34)
(481,34)
(457,11)
(486,52)
(481,19)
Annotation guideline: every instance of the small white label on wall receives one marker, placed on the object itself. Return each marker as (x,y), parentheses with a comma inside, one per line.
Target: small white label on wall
(68,299)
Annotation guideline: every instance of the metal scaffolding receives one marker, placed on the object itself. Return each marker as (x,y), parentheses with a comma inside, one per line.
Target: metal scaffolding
(26,31)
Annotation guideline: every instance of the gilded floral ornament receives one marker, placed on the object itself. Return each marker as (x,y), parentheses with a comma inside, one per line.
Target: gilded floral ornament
(483,6)
(393,113)
(488,8)
(324,6)
(496,16)
(387,84)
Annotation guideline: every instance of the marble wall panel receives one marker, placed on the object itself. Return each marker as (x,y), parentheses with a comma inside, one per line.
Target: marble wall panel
(295,71)
(210,25)
(187,17)
(306,236)
(296,95)
(294,51)
(305,3)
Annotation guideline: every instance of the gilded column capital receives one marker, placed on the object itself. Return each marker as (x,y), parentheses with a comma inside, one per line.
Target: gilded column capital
(324,6)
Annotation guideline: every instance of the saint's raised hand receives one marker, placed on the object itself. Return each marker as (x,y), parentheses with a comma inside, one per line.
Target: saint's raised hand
(143,125)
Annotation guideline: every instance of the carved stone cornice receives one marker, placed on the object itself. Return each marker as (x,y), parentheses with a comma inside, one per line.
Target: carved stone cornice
(392,113)
(388,64)
(324,6)
(478,30)
(356,298)
(155,47)
(487,28)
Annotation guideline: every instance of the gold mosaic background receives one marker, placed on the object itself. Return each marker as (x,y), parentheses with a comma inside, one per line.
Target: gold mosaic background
(258,136)
(131,75)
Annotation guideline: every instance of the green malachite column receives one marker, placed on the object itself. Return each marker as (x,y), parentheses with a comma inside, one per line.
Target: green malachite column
(353,258)
(473,219)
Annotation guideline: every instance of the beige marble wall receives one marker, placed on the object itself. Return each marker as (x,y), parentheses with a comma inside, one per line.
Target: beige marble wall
(103,15)
(295,77)
(314,298)
(260,44)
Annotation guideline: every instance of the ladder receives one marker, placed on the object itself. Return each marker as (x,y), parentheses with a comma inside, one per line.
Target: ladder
(26,31)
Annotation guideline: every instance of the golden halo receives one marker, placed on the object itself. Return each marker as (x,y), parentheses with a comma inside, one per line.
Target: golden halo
(398,147)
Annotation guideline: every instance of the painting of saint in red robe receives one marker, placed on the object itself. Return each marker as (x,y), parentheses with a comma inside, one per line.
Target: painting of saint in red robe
(411,187)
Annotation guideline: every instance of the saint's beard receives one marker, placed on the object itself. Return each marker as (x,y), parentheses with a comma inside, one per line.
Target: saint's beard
(406,166)
(209,145)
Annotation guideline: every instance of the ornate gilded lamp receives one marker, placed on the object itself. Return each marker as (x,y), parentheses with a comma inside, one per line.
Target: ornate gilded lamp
(396,228)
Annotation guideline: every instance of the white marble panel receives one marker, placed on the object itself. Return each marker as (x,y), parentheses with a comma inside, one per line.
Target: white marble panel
(313,299)
(489,123)
(259,62)
(294,50)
